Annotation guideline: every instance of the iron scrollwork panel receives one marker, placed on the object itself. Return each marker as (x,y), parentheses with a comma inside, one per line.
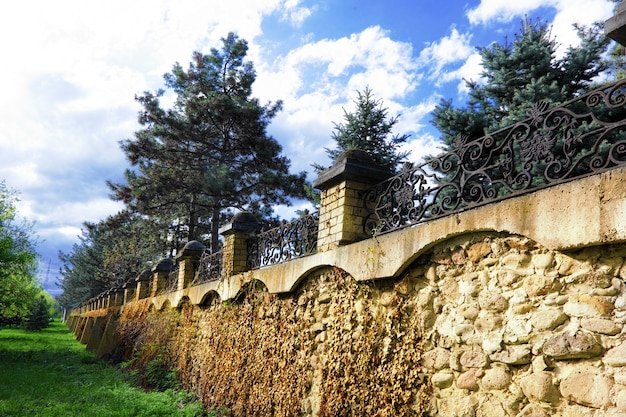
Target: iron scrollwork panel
(211,265)
(287,241)
(583,136)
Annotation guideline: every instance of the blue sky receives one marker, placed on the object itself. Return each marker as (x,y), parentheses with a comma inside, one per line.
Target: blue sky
(72,67)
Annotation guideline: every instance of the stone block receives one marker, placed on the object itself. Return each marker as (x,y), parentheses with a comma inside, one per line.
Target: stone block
(548,319)
(539,386)
(587,387)
(496,378)
(469,380)
(581,345)
(602,326)
(436,359)
(513,355)
(616,356)
(492,301)
(442,380)
(474,358)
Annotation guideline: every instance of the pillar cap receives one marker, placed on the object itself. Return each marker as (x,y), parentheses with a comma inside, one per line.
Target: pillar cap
(355,165)
(164,265)
(615,27)
(192,248)
(145,275)
(244,221)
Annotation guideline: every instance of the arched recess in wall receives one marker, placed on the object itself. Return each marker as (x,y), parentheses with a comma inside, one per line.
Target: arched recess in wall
(183,300)
(207,299)
(252,286)
(450,239)
(166,304)
(308,273)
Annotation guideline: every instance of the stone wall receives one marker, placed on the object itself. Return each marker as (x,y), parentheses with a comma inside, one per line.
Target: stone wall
(514,329)
(485,324)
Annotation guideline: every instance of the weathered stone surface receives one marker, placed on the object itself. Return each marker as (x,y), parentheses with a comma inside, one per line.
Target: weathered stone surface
(566,346)
(442,380)
(540,387)
(488,323)
(469,380)
(436,359)
(620,400)
(496,378)
(478,251)
(534,410)
(513,355)
(587,387)
(589,306)
(536,285)
(542,261)
(602,326)
(469,311)
(616,356)
(474,358)
(548,319)
(492,301)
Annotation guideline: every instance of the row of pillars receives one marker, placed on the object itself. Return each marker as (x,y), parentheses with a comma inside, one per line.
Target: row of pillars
(341,217)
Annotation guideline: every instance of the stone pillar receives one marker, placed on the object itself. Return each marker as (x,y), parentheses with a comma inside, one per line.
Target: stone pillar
(142,282)
(615,27)
(129,288)
(342,212)
(159,275)
(188,262)
(236,235)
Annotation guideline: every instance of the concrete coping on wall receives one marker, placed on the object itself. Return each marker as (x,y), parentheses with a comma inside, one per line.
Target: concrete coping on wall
(355,165)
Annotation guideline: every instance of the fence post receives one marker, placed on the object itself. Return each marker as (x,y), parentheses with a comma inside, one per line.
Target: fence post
(188,261)
(159,275)
(143,281)
(129,287)
(236,234)
(342,211)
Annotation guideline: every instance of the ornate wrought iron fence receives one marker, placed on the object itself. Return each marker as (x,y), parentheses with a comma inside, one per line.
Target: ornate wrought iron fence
(172,281)
(210,269)
(581,137)
(287,241)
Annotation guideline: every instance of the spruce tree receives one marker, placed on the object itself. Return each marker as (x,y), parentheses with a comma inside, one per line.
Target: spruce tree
(517,75)
(369,128)
(39,315)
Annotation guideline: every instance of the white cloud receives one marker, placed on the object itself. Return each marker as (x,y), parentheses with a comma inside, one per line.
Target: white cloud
(584,12)
(448,50)
(295,14)
(505,10)
(319,79)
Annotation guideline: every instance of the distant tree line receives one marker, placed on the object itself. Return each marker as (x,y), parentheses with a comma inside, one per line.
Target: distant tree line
(22,300)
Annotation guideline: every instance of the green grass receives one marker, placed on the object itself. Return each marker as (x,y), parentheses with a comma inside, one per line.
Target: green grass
(49,374)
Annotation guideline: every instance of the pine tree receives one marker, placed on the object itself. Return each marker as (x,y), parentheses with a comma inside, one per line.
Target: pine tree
(210,152)
(369,129)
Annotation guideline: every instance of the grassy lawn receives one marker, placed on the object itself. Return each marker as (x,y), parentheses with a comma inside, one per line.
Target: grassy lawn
(48,373)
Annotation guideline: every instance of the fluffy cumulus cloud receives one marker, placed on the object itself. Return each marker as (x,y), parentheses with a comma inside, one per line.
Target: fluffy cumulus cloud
(448,50)
(72,69)
(567,13)
(319,80)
